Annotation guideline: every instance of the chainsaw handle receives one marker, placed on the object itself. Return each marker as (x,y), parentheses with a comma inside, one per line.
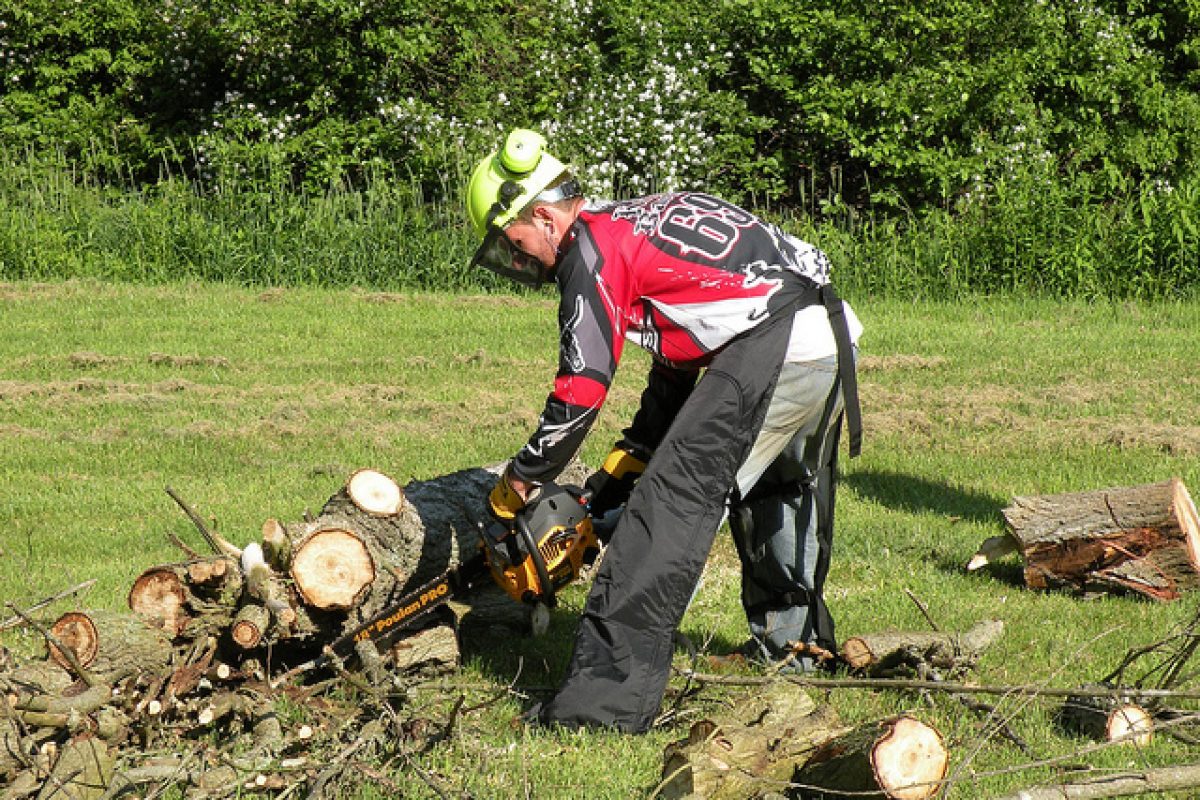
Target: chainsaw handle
(546,595)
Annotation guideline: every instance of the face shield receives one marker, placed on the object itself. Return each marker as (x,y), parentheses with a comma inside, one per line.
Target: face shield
(502,257)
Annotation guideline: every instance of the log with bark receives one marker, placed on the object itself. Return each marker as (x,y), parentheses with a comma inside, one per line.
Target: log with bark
(753,746)
(310,582)
(1141,539)
(901,758)
(906,654)
(111,646)
(1106,718)
(1180,778)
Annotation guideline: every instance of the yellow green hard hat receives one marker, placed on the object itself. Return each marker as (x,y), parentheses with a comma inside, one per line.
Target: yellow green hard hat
(509,179)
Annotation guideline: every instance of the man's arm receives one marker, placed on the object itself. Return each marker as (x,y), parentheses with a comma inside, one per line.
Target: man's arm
(667,389)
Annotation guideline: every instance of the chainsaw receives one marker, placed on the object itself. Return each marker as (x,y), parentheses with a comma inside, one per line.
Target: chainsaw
(551,540)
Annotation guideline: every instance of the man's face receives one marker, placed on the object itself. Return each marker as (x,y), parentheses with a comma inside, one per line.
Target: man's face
(533,238)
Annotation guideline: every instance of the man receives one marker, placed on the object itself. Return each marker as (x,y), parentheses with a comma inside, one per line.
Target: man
(741,414)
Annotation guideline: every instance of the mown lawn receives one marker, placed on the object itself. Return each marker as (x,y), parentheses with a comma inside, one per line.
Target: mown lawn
(256,404)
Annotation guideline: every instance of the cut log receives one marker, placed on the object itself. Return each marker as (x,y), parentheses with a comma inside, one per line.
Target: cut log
(158,596)
(432,650)
(436,528)
(1106,719)
(333,569)
(901,758)
(250,625)
(752,748)
(111,646)
(904,654)
(265,586)
(374,493)
(193,599)
(1141,539)
(1183,778)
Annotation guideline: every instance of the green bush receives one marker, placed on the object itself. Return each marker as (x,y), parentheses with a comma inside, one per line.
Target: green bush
(1009,132)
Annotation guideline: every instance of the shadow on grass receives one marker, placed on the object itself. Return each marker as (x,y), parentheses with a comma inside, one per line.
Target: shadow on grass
(911,493)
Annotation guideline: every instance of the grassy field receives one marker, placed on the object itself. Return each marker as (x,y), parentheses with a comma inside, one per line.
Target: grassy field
(256,404)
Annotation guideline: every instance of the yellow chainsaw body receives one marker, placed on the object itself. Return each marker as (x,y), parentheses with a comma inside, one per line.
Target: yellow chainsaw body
(563,539)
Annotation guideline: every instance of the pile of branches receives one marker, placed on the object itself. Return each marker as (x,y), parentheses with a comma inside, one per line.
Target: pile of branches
(215,649)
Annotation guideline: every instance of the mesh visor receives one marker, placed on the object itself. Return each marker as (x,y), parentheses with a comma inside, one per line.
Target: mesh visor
(499,255)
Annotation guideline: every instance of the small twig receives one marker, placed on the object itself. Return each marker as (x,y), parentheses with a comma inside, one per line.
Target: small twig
(182,545)
(924,609)
(1001,726)
(424,776)
(17,619)
(218,543)
(509,689)
(67,653)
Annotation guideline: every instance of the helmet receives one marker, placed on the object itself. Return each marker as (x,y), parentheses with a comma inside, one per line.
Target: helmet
(522,162)
(502,185)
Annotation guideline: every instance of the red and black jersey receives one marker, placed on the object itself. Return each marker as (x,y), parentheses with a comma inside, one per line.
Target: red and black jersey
(680,275)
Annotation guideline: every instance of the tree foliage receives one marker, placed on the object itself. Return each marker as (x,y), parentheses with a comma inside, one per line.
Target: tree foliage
(839,109)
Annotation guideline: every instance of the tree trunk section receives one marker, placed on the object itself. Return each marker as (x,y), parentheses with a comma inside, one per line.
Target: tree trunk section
(192,599)
(1142,539)
(374,493)
(1106,719)
(901,759)
(112,646)
(752,748)
(883,655)
(436,527)
(333,569)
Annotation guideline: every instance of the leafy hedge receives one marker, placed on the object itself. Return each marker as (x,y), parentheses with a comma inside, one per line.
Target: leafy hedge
(842,110)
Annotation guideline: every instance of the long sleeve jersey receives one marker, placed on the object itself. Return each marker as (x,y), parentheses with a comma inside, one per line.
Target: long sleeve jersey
(678,274)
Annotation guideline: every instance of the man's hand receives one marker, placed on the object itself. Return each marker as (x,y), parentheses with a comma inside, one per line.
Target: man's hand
(507,498)
(610,486)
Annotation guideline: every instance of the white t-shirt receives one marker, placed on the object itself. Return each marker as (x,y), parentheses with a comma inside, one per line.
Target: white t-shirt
(812,336)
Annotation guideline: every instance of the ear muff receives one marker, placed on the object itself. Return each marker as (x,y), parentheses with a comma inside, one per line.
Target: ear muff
(522,151)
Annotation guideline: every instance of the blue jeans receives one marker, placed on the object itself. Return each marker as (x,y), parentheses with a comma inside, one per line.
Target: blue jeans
(783,523)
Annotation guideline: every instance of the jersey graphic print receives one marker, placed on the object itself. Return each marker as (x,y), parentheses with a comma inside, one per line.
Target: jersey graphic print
(689,225)
(569,347)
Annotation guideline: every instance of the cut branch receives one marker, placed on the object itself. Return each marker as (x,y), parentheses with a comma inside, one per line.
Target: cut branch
(1118,784)
(218,543)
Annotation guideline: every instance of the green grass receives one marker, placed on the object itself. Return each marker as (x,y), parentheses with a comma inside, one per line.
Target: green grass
(256,404)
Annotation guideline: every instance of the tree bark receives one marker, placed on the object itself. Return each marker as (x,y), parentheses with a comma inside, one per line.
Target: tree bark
(436,527)
(82,771)
(883,655)
(751,748)
(1142,539)
(111,646)
(1124,784)
(900,758)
